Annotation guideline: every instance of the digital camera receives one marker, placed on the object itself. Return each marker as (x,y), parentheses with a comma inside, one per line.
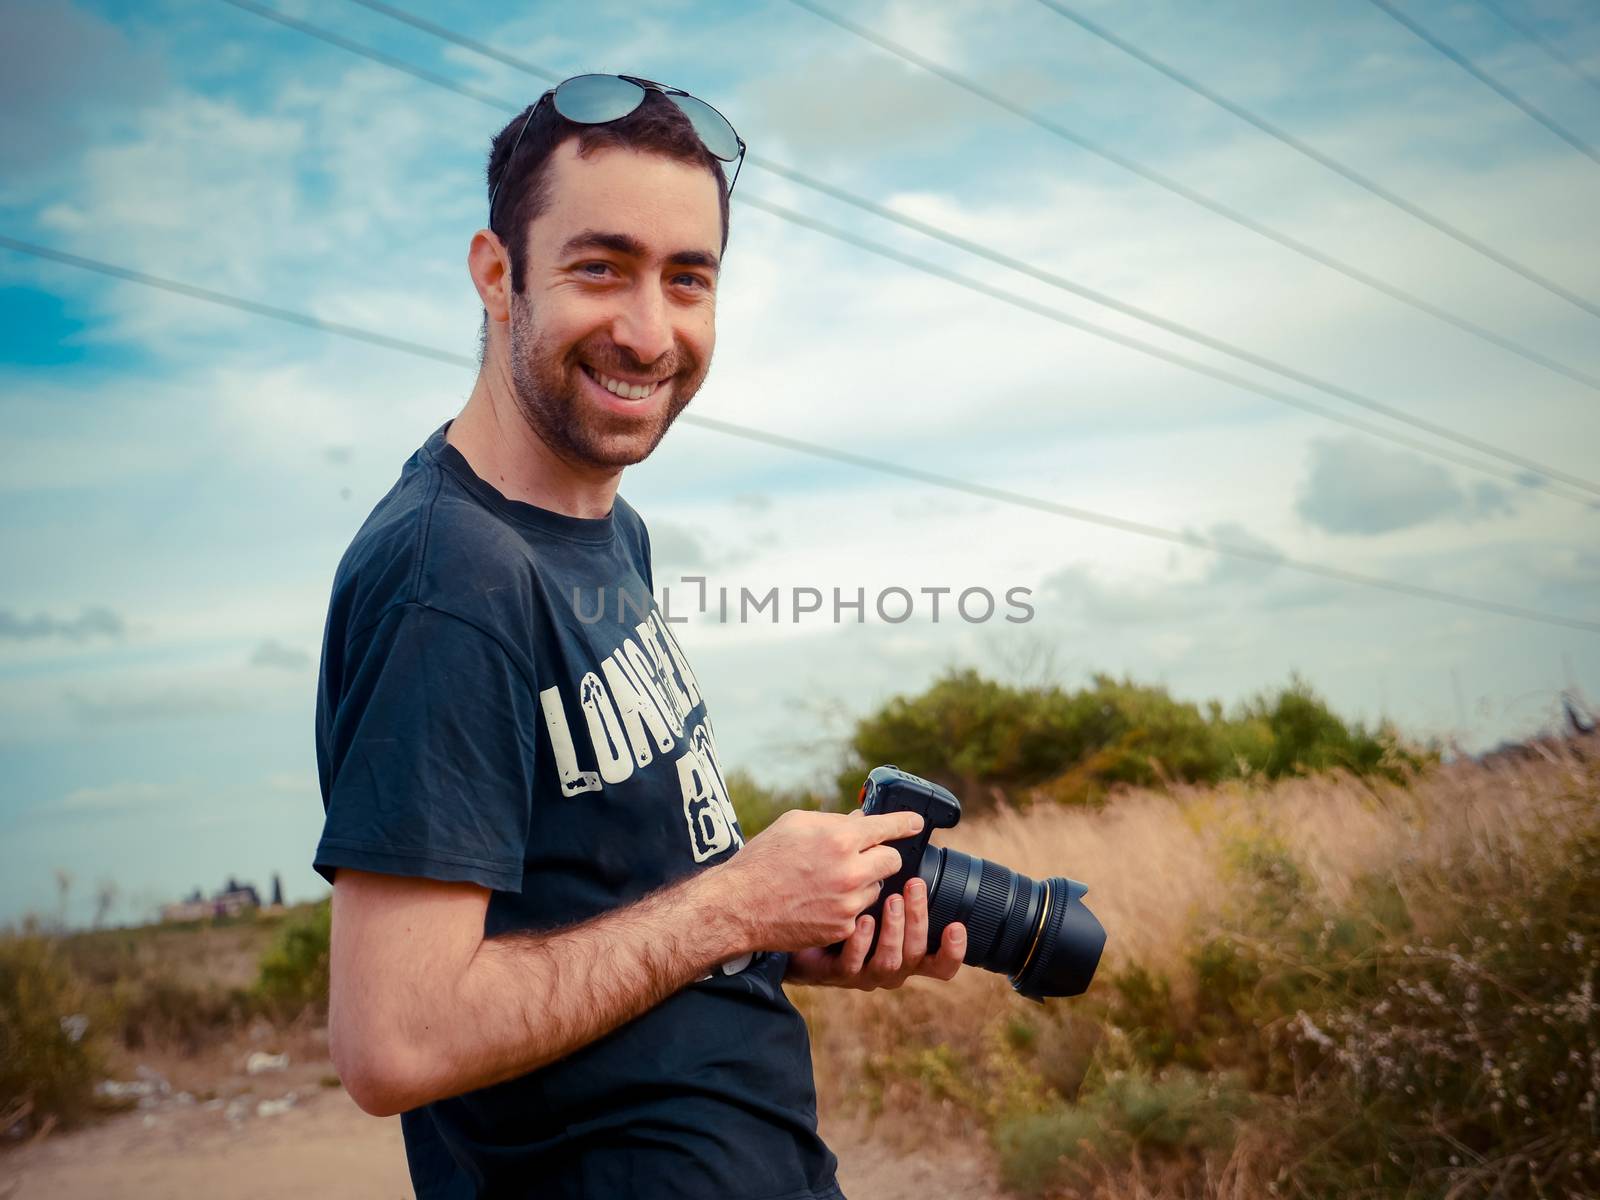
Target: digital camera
(1039,934)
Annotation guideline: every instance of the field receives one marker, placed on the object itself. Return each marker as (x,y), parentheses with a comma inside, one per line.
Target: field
(1323,985)
(1317,986)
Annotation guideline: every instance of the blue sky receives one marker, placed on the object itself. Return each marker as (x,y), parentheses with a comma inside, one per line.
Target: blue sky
(179,479)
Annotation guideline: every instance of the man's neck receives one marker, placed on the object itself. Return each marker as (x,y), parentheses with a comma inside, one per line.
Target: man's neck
(502,449)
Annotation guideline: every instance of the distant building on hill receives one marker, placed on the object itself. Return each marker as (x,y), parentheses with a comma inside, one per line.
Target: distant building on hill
(194,907)
(236,898)
(231,901)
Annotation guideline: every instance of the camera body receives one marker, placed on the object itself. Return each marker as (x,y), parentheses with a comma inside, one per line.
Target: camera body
(889,789)
(1039,934)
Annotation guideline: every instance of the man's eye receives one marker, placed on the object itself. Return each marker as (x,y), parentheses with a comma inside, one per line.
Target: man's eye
(588,268)
(693,280)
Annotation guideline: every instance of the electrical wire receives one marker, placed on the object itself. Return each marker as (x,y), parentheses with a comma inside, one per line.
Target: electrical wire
(1493,84)
(872,463)
(1426,307)
(796,176)
(1277,132)
(983,251)
(1156,177)
(1544,43)
(1522,463)
(1195,365)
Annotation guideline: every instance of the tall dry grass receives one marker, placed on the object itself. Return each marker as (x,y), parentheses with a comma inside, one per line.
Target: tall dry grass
(1169,874)
(77,1005)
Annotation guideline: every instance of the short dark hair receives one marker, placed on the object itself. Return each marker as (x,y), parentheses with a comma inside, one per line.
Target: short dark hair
(657,126)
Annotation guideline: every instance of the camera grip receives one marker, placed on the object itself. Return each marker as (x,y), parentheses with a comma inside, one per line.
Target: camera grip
(889,789)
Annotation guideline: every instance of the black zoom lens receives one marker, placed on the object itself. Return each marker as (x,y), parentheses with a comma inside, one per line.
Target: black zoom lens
(1037,933)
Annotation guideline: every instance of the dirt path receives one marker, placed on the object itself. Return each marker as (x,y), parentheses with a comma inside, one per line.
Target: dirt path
(323,1145)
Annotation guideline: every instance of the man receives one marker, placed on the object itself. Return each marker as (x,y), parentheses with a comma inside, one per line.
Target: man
(552,951)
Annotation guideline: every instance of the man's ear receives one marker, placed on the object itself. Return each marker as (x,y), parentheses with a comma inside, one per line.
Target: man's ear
(489,264)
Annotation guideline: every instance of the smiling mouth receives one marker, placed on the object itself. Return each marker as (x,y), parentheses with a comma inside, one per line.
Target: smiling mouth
(621,388)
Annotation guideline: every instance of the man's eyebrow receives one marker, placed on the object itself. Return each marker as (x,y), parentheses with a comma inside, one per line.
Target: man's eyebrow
(627,244)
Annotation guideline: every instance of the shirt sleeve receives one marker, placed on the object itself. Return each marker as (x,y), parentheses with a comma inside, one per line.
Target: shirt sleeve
(434,742)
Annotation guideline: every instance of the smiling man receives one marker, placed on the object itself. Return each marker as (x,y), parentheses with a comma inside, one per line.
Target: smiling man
(553,951)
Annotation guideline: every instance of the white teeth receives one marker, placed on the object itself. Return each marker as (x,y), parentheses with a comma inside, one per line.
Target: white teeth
(628,391)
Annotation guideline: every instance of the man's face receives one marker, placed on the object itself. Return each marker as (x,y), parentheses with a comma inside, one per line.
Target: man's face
(620,289)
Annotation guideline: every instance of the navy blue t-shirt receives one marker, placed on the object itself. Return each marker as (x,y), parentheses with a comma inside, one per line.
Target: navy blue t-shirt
(502,702)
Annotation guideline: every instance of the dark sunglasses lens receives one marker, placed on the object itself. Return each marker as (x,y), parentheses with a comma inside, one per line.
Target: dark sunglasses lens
(712,127)
(596,99)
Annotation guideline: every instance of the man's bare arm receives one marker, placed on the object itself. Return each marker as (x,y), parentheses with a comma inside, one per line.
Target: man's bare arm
(423,1006)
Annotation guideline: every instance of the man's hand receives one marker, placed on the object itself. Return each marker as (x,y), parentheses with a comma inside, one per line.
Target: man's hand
(803,880)
(902,950)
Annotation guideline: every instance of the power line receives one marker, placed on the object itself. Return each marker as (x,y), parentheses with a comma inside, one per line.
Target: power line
(820,450)
(1524,464)
(1544,43)
(972,247)
(250,306)
(461,39)
(1201,368)
(1166,181)
(1277,132)
(377,56)
(1417,302)
(1493,84)
(1106,300)
(1139,528)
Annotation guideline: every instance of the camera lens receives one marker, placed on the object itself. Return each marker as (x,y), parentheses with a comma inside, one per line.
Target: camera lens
(1036,932)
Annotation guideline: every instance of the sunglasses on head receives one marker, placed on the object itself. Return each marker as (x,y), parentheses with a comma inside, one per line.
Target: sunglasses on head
(600,99)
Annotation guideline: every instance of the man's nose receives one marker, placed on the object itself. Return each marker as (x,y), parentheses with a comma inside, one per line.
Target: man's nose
(644,324)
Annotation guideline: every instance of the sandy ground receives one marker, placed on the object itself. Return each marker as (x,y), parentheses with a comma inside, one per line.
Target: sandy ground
(248,1140)
(323,1146)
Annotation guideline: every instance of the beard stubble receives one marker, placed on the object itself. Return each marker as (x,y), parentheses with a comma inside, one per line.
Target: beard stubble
(549,394)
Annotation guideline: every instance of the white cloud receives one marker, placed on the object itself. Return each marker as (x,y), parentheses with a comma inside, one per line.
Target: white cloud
(1356,487)
(203,191)
(96,621)
(197,496)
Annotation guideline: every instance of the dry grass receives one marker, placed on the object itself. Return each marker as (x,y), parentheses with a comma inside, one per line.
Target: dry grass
(1155,861)
(223,954)
(936,1065)
(936,1061)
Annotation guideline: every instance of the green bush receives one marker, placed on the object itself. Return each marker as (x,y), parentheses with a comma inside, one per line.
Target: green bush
(1460,1061)
(49,1045)
(1037,1150)
(1142,1008)
(1304,736)
(1175,1111)
(158,1009)
(984,739)
(970,733)
(1474,1063)
(1280,949)
(1175,1114)
(293,975)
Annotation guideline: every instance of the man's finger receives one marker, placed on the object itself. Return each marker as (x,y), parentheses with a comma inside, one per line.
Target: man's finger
(882,861)
(867,896)
(887,959)
(888,827)
(854,953)
(952,948)
(916,944)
